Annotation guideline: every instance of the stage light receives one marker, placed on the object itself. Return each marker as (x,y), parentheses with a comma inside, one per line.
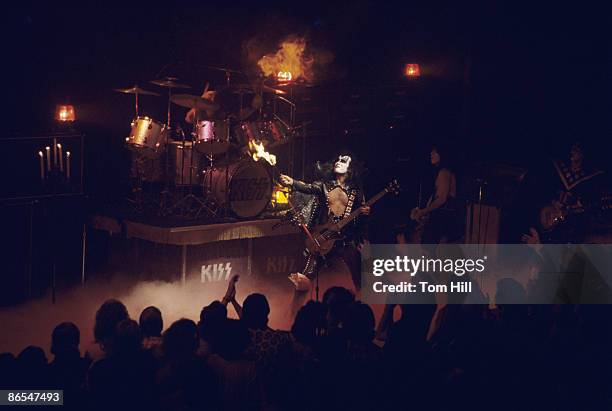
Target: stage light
(280,195)
(65,113)
(412,70)
(284,76)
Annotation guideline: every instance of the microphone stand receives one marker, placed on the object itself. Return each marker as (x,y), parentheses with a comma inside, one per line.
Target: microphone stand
(316,254)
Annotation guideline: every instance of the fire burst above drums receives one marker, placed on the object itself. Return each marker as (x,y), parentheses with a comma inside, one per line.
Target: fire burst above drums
(289,63)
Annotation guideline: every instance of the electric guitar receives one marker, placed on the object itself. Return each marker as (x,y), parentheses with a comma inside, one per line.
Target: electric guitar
(324,236)
(557,212)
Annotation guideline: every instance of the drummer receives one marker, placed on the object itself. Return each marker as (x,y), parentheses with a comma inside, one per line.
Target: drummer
(200,115)
(229,106)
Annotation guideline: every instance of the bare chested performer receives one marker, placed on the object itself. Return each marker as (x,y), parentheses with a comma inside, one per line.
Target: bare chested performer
(336,196)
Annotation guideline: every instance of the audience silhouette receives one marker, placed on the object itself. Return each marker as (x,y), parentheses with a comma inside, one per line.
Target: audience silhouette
(454,356)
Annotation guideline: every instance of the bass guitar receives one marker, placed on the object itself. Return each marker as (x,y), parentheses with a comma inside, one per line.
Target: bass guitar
(324,236)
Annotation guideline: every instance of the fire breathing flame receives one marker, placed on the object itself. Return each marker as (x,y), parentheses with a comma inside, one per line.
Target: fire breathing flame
(258,152)
(289,63)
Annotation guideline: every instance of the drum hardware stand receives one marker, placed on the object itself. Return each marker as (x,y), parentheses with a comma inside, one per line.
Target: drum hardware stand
(215,210)
(136,91)
(192,206)
(289,125)
(167,162)
(136,102)
(137,198)
(226,208)
(169,83)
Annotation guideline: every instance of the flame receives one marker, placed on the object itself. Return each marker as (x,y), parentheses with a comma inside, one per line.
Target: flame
(289,62)
(258,152)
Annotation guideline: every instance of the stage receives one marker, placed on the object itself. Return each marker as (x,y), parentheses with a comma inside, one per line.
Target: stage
(257,248)
(177,268)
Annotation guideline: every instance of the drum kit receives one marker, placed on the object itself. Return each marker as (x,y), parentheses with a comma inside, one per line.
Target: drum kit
(209,170)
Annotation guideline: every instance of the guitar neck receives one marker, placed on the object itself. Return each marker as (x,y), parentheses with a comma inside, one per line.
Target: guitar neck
(357,212)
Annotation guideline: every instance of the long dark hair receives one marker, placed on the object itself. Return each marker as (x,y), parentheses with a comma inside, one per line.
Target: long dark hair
(447,156)
(356,169)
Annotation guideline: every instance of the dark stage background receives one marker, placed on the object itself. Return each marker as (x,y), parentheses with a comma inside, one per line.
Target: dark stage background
(507,83)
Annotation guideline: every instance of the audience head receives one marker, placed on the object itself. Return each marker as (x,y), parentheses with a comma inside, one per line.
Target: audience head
(111,313)
(127,338)
(212,318)
(413,327)
(308,319)
(8,368)
(65,339)
(31,369)
(151,322)
(180,339)
(418,312)
(336,300)
(7,360)
(233,340)
(255,311)
(32,358)
(359,323)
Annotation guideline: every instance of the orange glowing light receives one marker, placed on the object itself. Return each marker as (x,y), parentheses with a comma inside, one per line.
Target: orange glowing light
(280,195)
(412,70)
(65,113)
(289,63)
(284,76)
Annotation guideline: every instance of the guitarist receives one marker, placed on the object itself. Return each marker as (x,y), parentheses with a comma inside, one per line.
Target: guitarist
(580,194)
(337,195)
(441,219)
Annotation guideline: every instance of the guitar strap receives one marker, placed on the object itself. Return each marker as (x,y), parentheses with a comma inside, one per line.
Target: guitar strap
(571,179)
(349,204)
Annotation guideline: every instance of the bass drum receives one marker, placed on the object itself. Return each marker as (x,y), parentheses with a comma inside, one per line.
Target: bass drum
(249,185)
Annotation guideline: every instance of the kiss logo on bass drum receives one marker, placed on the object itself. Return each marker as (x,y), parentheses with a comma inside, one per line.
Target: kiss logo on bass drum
(249,185)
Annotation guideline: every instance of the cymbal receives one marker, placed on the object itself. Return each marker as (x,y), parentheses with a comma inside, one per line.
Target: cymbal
(251,88)
(238,89)
(191,101)
(224,69)
(268,89)
(169,82)
(136,90)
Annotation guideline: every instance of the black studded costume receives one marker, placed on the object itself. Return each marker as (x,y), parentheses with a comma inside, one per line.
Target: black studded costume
(316,210)
(581,191)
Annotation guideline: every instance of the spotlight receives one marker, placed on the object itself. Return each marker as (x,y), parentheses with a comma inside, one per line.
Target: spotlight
(412,70)
(65,113)
(284,76)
